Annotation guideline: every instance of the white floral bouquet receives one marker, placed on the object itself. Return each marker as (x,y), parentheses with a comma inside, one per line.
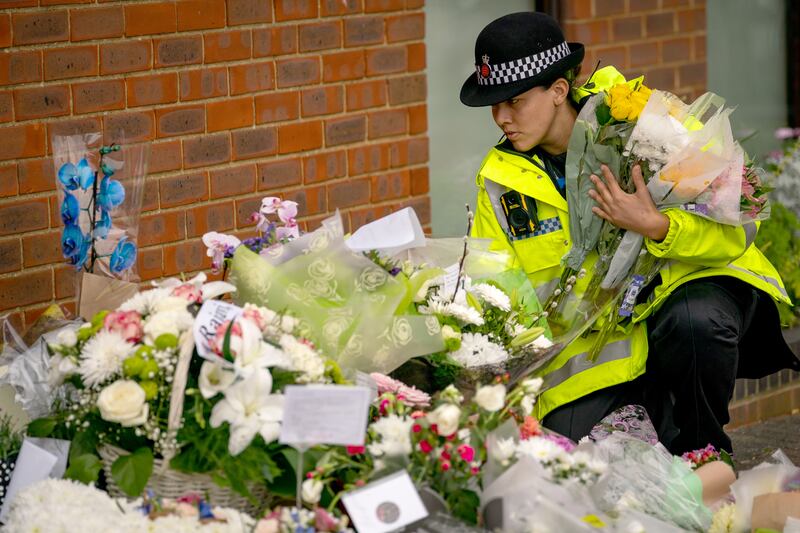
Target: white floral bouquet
(134,383)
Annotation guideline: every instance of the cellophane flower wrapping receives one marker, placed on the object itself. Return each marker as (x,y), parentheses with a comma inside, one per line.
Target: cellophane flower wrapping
(100,194)
(350,307)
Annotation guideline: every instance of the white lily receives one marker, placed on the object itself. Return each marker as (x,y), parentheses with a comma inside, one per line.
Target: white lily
(250,350)
(214,378)
(249,407)
(216,288)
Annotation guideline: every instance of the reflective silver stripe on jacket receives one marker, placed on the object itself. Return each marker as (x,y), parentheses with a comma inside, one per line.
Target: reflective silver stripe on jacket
(578,362)
(771,281)
(750,231)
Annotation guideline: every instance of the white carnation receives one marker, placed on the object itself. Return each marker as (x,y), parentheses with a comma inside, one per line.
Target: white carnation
(304,359)
(476,349)
(174,321)
(492,296)
(395,436)
(144,302)
(102,357)
(540,449)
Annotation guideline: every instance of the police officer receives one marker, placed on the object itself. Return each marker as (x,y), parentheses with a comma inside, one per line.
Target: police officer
(708,317)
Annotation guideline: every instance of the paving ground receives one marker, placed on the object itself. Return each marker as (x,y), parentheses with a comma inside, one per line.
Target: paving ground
(754,443)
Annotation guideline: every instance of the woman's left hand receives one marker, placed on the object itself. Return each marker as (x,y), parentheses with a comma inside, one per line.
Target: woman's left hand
(636,212)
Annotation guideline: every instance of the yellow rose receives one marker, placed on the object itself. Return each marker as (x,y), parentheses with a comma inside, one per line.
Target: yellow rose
(621,108)
(638,100)
(644,90)
(621,91)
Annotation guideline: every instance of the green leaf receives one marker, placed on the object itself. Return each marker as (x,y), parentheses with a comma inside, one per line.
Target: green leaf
(464,505)
(41,427)
(474,303)
(84,443)
(603,113)
(226,343)
(131,472)
(84,468)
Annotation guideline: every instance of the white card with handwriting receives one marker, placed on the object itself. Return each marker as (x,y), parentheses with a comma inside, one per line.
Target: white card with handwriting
(325,414)
(385,505)
(211,316)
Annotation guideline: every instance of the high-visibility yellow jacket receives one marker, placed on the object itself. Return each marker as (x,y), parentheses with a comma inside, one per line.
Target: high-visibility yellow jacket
(695,247)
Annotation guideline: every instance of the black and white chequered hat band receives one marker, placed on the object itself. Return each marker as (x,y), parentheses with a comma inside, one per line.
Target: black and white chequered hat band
(519,69)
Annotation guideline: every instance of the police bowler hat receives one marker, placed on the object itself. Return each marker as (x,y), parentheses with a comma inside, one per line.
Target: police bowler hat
(516,53)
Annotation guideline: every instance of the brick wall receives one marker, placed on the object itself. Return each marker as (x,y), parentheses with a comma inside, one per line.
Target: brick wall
(318,101)
(663,39)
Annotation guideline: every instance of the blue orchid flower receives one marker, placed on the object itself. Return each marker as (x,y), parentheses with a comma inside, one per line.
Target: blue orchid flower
(68,176)
(123,255)
(70,209)
(111,194)
(102,226)
(85,174)
(74,245)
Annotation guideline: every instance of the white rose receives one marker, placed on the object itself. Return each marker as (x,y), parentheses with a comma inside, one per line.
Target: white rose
(214,379)
(532,385)
(503,450)
(67,338)
(174,322)
(312,490)
(123,402)
(491,397)
(446,418)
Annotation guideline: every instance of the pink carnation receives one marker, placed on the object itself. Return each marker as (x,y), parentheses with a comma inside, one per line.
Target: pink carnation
(385,383)
(413,396)
(127,323)
(466,452)
(323,521)
(189,291)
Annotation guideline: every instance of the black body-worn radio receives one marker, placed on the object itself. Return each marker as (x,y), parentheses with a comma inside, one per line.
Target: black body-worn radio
(520,211)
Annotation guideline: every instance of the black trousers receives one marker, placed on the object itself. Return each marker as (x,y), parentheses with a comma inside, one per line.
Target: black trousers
(691,368)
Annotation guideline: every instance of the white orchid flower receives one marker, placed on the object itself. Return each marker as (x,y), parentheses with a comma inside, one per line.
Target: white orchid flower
(250,408)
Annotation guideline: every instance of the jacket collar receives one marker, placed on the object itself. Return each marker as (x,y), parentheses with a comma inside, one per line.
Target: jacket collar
(522,173)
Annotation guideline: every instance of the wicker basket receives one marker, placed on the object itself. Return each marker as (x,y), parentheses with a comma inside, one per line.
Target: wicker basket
(169,483)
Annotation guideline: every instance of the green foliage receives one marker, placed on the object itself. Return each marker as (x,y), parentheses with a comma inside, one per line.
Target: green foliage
(132,471)
(10,437)
(779,240)
(84,468)
(464,504)
(42,427)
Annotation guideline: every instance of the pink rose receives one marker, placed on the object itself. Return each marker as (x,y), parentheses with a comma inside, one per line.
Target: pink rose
(385,383)
(189,291)
(413,396)
(127,323)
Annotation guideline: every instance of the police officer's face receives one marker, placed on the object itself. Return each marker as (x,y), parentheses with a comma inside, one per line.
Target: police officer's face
(527,118)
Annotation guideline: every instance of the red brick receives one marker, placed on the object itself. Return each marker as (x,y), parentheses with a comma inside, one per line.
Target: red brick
(320,36)
(124,128)
(182,190)
(366,94)
(350,193)
(627,28)
(229,114)
(22,216)
(409,27)
(249,11)
(700,47)
(233,181)
(150,197)
(374,6)
(331,8)
(606,8)
(387,123)
(98,96)
(22,141)
(43,26)
(41,249)
(149,263)
(613,55)
(252,77)
(391,186)
(38,102)
(274,41)
(5,30)
(416,56)
(643,5)
(417,119)
(420,183)
(360,31)
(66,278)
(8,181)
(343,66)
(590,32)
(152,89)
(398,154)
(692,74)
(164,156)
(96,23)
(663,78)
(36,175)
(657,24)
(644,54)
(200,14)
(209,217)
(421,206)
(227,46)
(203,83)
(10,256)
(690,20)
(295,9)
(360,217)
(6,106)
(245,208)
(326,166)
(146,19)
(279,174)
(27,288)
(386,60)
(311,200)
(180,120)
(676,50)
(185,257)
(125,56)
(72,62)
(407,89)
(368,158)
(322,101)
(207,150)
(178,51)
(345,130)
(159,228)
(301,71)
(249,143)
(56,2)
(73,126)
(275,107)
(300,136)
(20,67)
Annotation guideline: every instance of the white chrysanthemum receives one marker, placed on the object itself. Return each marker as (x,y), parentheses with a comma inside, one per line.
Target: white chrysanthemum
(395,436)
(476,349)
(492,296)
(437,305)
(543,450)
(102,357)
(503,450)
(144,302)
(725,520)
(541,343)
(303,358)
